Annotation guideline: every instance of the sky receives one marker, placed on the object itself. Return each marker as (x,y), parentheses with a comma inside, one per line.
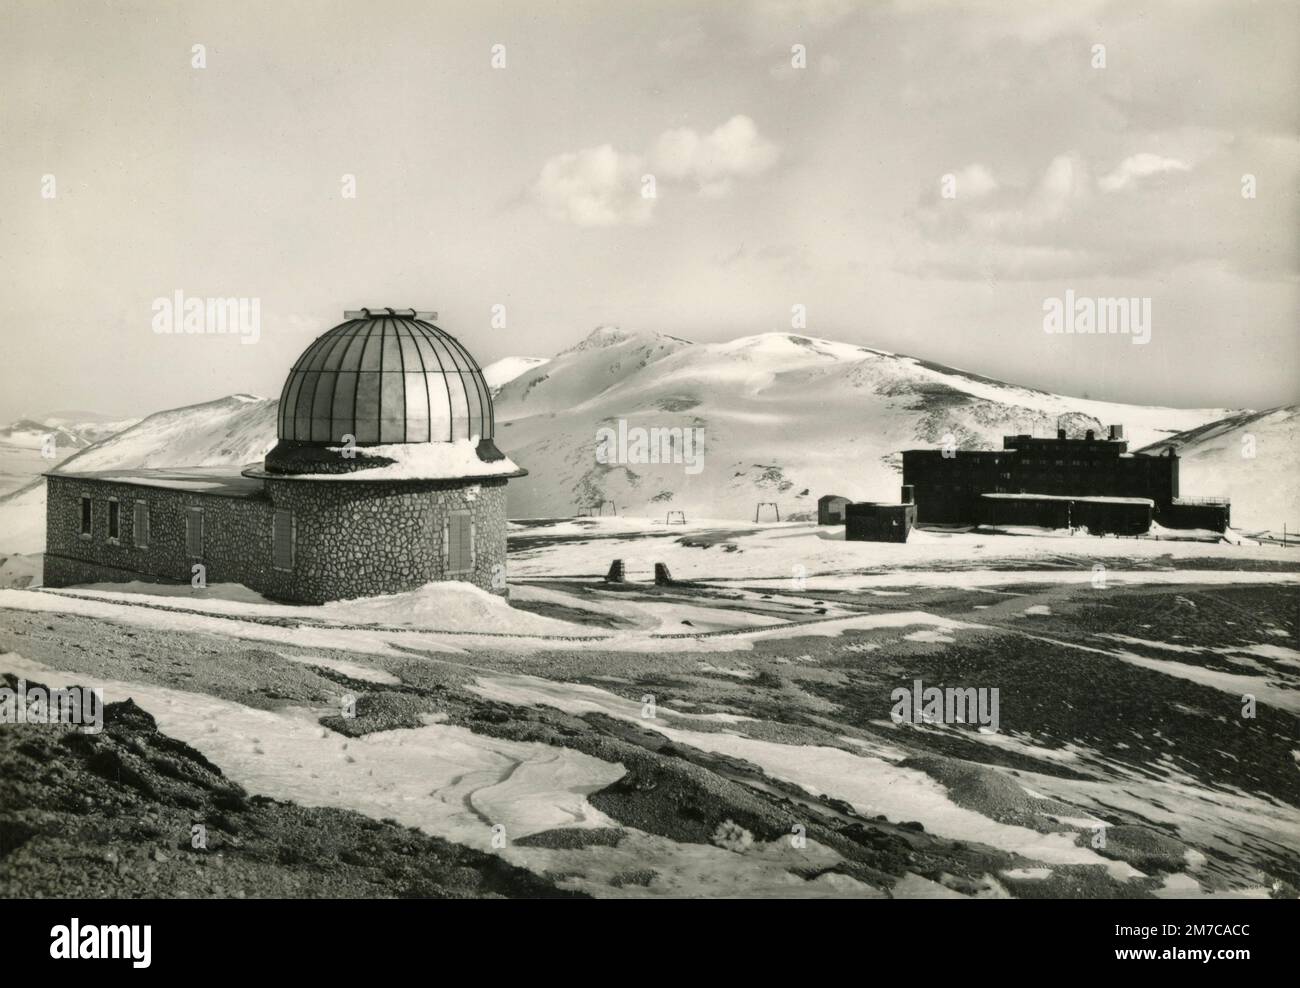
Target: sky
(922,177)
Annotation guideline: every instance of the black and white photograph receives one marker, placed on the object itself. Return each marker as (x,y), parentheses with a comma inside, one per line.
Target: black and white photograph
(679,450)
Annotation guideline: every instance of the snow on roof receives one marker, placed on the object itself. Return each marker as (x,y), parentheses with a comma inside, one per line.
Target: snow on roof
(224,481)
(457,460)
(1072,497)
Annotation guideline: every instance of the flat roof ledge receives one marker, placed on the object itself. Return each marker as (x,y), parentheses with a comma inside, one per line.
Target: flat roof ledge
(1095,499)
(224,481)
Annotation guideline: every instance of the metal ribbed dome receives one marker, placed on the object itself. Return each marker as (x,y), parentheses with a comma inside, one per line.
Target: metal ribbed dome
(385,376)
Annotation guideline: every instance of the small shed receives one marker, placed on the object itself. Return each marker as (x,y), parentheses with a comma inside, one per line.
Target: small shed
(830,509)
(868,521)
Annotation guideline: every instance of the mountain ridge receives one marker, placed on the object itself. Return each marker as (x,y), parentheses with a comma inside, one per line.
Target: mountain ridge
(783,417)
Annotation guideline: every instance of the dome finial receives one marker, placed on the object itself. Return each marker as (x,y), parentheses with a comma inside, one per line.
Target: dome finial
(378,312)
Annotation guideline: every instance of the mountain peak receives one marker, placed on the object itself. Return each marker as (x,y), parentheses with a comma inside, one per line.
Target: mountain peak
(607,336)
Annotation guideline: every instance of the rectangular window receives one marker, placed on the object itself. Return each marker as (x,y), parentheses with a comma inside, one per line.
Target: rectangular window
(140,525)
(85,515)
(282,537)
(460,542)
(114,519)
(194,533)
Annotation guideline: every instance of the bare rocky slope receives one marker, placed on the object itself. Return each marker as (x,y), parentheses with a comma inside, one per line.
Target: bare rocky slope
(113,815)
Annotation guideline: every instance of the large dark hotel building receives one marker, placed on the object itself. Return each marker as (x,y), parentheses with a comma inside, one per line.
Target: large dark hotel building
(951,485)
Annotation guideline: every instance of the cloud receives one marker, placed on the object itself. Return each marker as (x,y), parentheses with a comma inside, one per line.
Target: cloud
(1063,223)
(983,206)
(597,186)
(1138,167)
(602,186)
(975,180)
(713,161)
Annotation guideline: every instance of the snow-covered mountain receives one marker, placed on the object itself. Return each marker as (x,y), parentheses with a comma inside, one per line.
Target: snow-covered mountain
(31,434)
(785,418)
(503,371)
(235,430)
(70,430)
(34,444)
(1250,457)
(231,431)
(90,427)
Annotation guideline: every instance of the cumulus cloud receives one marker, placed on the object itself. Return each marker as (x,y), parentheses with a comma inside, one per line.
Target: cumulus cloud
(1138,167)
(603,186)
(984,206)
(713,161)
(975,180)
(1062,223)
(598,186)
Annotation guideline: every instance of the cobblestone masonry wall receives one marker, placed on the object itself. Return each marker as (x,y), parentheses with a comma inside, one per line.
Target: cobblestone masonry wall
(236,533)
(351,538)
(355,539)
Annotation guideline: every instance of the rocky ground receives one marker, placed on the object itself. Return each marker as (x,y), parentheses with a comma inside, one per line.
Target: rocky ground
(1085,726)
(130,812)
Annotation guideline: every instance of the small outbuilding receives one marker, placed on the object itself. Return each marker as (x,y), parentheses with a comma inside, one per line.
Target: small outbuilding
(872,521)
(830,509)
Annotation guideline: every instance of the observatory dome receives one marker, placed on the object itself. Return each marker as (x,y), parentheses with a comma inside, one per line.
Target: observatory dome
(386,395)
(385,376)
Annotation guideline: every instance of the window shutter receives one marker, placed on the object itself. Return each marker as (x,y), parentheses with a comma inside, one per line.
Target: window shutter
(140,525)
(282,539)
(458,536)
(194,532)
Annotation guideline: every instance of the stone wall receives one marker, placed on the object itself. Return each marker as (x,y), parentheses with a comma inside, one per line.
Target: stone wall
(236,533)
(60,571)
(351,538)
(359,538)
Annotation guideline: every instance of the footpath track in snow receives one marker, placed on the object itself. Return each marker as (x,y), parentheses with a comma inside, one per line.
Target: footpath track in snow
(286,622)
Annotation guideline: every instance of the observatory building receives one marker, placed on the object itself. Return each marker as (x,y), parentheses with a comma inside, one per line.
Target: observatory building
(384,477)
